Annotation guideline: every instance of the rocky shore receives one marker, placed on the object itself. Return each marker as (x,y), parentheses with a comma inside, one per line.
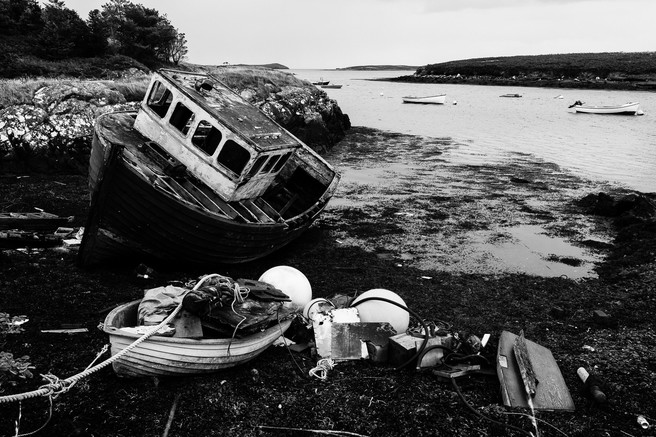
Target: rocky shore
(52,130)
(352,248)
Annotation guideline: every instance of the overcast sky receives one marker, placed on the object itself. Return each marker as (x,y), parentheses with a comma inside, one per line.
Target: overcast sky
(341,33)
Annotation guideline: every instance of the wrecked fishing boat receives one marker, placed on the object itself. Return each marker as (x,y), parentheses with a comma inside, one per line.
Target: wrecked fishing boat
(200,176)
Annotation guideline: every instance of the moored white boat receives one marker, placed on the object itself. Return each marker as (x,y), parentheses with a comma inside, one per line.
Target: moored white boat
(438,99)
(631,108)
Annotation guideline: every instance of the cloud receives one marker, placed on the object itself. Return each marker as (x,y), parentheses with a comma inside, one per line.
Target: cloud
(433,6)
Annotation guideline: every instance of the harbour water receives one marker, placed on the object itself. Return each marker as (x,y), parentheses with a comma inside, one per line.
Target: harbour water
(479,129)
(619,150)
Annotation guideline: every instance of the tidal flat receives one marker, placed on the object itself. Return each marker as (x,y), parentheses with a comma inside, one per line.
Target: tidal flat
(422,233)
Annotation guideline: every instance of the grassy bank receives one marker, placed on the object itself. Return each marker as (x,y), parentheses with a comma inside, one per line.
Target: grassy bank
(575,70)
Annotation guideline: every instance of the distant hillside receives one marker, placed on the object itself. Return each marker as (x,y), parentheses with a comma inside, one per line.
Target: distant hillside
(618,70)
(379,67)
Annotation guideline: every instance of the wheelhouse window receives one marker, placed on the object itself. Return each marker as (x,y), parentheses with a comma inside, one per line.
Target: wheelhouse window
(283,159)
(269,165)
(233,157)
(182,118)
(206,137)
(259,162)
(159,99)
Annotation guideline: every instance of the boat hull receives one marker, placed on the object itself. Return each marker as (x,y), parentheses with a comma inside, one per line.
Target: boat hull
(626,109)
(435,100)
(171,356)
(134,216)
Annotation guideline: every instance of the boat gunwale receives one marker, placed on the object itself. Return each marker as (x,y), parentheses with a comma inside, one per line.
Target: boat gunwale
(112,330)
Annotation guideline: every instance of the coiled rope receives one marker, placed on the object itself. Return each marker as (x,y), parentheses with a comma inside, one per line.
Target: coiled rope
(56,386)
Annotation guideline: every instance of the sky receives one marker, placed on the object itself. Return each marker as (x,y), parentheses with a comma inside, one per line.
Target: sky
(321,34)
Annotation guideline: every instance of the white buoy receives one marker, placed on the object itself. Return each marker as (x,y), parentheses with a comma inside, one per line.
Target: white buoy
(291,282)
(380,311)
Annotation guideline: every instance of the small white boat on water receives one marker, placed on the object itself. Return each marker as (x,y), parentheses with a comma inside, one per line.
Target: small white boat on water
(437,99)
(631,108)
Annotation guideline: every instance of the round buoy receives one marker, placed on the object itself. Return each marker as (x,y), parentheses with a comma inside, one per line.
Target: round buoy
(380,311)
(291,282)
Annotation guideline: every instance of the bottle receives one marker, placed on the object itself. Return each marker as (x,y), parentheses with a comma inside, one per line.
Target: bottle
(592,386)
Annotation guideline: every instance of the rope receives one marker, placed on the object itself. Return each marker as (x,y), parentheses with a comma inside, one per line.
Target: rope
(322,368)
(56,386)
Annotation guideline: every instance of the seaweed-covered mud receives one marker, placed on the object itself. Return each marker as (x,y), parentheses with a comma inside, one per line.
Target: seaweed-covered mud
(440,208)
(412,215)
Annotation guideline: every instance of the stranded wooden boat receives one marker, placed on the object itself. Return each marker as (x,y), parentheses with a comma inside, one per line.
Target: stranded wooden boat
(332,86)
(437,99)
(172,356)
(198,176)
(632,108)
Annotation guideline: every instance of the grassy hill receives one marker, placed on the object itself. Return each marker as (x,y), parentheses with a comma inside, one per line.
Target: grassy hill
(617,70)
(379,67)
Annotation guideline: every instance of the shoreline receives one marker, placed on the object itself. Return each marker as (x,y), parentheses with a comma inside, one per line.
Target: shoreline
(565,84)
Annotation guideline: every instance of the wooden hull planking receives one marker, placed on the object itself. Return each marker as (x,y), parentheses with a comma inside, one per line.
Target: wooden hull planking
(136,211)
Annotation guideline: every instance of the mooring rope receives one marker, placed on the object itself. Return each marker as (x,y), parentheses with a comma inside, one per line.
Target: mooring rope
(56,386)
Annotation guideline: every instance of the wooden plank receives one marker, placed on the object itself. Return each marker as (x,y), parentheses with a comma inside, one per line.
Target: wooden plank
(268,209)
(524,362)
(256,210)
(202,198)
(222,204)
(551,392)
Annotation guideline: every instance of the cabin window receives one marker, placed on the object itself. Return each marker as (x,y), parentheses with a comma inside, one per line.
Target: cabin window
(206,137)
(159,99)
(283,159)
(182,118)
(258,164)
(233,157)
(269,165)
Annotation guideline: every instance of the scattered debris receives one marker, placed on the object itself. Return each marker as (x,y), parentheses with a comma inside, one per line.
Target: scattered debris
(603,319)
(643,422)
(551,392)
(592,386)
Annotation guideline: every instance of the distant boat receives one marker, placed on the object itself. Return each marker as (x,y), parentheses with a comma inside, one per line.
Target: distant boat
(321,82)
(559,97)
(334,85)
(437,99)
(510,95)
(631,108)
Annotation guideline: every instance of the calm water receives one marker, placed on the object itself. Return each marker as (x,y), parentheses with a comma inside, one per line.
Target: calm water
(616,149)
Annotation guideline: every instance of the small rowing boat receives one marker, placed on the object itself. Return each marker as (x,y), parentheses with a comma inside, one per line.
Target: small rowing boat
(172,356)
(436,99)
(631,108)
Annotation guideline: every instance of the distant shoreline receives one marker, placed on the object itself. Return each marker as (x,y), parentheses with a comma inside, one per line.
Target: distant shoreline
(543,83)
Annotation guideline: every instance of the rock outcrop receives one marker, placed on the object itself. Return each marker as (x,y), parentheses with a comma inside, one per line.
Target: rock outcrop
(54,132)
